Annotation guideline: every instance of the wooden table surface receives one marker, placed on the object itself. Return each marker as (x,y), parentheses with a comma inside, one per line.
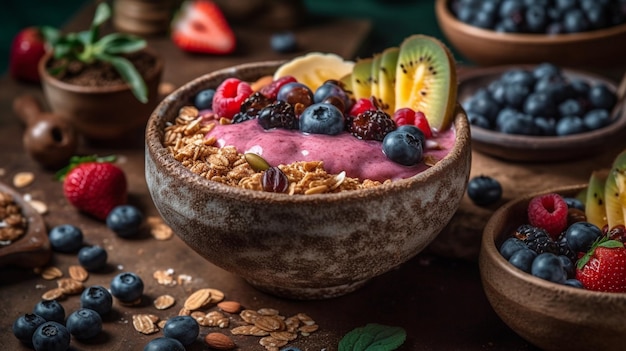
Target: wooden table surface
(436,297)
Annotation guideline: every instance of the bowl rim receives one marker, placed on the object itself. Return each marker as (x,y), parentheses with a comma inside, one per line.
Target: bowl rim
(442,10)
(160,154)
(495,138)
(489,251)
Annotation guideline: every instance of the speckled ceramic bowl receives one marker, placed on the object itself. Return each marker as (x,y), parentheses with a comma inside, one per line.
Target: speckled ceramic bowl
(596,48)
(304,246)
(549,315)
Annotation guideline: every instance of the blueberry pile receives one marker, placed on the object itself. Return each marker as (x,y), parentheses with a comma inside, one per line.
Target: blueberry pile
(540,16)
(484,190)
(541,101)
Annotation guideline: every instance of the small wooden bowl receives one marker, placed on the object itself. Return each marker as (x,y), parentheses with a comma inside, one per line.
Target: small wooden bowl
(597,48)
(522,148)
(549,315)
(33,248)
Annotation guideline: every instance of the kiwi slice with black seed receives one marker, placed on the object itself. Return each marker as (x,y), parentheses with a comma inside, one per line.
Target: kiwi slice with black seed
(386,95)
(361,78)
(374,77)
(426,80)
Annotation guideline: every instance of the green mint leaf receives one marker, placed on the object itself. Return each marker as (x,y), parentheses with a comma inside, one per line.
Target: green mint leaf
(117,43)
(76,160)
(611,244)
(373,337)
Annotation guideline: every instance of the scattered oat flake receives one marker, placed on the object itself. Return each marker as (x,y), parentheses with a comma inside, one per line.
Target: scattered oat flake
(198,299)
(158,229)
(164,302)
(23,179)
(51,272)
(78,273)
(164,277)
(145,323)
(39,206)
(52,294)
(70,286)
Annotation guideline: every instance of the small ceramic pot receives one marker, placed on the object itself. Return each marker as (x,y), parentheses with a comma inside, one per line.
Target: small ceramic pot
(101,113)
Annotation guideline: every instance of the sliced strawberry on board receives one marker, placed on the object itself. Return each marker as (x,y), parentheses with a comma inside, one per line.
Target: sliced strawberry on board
(201,27)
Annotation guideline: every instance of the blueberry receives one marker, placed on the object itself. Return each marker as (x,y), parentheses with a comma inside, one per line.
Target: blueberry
(540,104)
(581,235)
(466,14)
(283,42)
(97,298)
(478,120)
(574,283)
(548,266)
(574,21)
(518,76)
(497,89)
(182,328)
(403,147)
(125,220)
(602,97)
(557,88)
(510,246)
(536,19)
(482,19)
(322,118)
(204,99)
(519,123)
(573,202)
(564,5)
(596,119)
(570,107)
(484,190)
(92,257)
(51,336)
(50,310)
(568,266)
(164,344)
(511,8)
(24,327)
(66,238)
(597,16)
(580,87)
(483,104)
(516,94)
(413,130)
(545,126)
(290,348)
(523,259)
(127,287)
(327,90)
(84,323)
(569,125)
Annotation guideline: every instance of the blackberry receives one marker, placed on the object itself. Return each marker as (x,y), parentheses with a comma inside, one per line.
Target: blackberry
(251,107)
(279,114)
(536,239)
(371,125)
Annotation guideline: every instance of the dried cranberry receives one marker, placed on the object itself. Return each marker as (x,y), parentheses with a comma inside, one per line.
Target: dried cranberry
(274,180)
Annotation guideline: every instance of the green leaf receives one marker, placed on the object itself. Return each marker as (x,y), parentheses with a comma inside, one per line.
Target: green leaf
(602,241)
(50,34)
(76,160)
(611,244)
(129,74)
(373,337)
(118,43)
(103,13)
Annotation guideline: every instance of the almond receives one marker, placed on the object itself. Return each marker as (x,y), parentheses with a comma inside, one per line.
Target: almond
(219,341)
(229,306)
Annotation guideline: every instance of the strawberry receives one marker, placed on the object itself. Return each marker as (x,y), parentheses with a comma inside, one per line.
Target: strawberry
(201,27)
(603,268)
(27,48)
(94,185)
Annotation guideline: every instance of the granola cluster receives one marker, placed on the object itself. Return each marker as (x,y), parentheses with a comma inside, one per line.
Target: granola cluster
(186,141)
(12,222)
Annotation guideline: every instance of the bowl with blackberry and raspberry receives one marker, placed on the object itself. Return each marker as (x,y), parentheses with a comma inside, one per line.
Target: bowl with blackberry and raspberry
(307,177)
(568,32)
(542,112)
(553,264)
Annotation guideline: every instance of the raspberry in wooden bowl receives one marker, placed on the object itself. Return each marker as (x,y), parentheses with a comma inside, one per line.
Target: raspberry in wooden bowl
(550,310)
(321,234)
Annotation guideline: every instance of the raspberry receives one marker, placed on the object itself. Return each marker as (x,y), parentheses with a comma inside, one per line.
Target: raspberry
(537,239)
(549,212)
(371,125)
(271,90)
(229,96)
(361,106)
(408,116)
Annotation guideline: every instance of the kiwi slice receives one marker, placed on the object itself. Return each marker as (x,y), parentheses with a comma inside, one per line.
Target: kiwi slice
(374,77)
(361,81)
(614,192)
(386,96)
(595,208)
(426,80)
(346,81)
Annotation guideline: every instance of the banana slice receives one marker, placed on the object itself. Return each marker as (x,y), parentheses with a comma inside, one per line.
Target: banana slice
(315,68)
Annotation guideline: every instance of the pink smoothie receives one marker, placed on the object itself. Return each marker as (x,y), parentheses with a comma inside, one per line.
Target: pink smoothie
(344,152)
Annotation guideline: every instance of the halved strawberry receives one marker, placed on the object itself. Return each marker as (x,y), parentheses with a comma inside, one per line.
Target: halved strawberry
(201,27)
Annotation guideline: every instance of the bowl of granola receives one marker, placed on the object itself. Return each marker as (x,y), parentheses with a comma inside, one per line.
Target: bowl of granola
(324,233)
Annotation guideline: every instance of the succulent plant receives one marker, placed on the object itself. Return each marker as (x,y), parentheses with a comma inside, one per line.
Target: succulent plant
(90,46)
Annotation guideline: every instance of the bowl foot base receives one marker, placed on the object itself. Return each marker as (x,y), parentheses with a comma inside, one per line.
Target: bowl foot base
(303,293)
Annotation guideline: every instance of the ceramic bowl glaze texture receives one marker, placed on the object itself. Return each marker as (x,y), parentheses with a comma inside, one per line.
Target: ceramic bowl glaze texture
(598,48)
(549,315)
(304,246)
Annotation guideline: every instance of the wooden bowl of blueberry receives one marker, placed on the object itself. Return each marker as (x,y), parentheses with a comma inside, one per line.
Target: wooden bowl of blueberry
(567,32)
(540,113)
(553,265)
